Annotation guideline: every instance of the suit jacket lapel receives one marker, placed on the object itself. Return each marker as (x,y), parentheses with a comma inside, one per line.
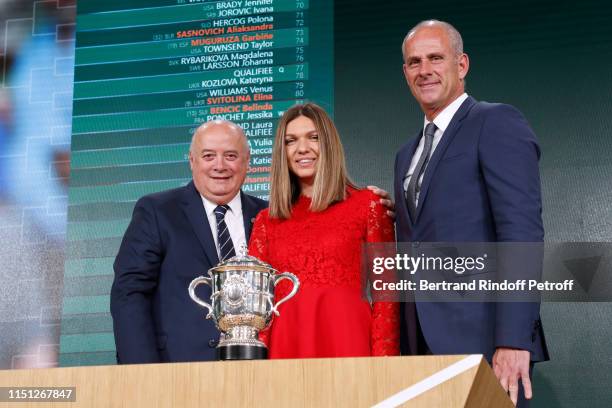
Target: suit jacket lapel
(249,212)
(194,210)
(404,167)
(447,137)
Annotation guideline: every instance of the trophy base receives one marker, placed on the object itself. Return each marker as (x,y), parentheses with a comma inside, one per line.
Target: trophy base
(241,352)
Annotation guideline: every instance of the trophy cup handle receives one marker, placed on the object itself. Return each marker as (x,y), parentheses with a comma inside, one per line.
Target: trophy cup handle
(296,285)
(192,286)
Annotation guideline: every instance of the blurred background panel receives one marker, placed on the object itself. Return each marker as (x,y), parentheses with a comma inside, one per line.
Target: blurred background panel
(36,62)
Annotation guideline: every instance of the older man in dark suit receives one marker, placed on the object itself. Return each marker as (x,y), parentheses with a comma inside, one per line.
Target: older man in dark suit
(175,236)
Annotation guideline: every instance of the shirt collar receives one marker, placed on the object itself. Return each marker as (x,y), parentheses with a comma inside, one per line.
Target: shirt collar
(235,205)
(443,119)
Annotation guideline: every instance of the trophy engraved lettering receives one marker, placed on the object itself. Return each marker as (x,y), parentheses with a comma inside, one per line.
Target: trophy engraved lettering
(242,303)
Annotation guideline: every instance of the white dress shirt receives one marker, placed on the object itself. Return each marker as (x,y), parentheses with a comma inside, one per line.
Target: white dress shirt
(441,121)
(233,219)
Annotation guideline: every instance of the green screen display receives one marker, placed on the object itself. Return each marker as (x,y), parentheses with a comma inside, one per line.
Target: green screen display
(146,75)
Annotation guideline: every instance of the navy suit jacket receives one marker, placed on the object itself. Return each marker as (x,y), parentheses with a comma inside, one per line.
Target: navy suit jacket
(167,244)
(482,184)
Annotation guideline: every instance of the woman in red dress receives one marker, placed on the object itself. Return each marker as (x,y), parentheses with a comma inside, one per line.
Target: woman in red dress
(315,226)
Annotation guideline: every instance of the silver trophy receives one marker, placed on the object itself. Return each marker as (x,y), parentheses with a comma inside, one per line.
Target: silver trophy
(242,303)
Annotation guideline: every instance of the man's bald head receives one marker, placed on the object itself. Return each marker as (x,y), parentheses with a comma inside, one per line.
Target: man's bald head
(226,125)
(435,65)
(453,35)
(219,158)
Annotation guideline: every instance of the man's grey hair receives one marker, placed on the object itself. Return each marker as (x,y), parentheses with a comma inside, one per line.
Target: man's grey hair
(455,38)
(227,123)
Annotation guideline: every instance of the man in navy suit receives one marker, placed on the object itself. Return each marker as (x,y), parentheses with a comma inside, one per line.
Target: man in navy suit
(471,175)
(172,239)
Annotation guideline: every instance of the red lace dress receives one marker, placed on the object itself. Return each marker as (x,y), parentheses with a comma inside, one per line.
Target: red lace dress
(328,317)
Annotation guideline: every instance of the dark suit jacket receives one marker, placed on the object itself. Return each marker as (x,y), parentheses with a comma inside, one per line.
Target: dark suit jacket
(482,184)
(167,244)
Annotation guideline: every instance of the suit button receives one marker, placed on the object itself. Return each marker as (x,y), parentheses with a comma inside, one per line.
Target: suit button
(212,343)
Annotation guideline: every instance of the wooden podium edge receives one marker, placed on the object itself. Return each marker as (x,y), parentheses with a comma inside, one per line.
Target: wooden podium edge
(449,386)
(486,390)
(182,384)
(482,389)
